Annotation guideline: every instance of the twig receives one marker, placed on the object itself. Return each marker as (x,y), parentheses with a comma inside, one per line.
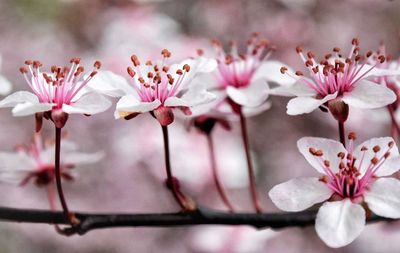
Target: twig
(203,216)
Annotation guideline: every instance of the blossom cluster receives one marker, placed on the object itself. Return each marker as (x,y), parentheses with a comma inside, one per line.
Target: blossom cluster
(354,181)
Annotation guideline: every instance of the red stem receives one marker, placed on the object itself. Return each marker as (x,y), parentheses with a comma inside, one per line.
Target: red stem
(186,203)
(253,189)
(64,205)
(217,182)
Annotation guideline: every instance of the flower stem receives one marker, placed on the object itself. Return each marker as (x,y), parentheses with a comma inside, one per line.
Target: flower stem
(217,182)
(342,135)
(185,202)
(69,216)
(253,189)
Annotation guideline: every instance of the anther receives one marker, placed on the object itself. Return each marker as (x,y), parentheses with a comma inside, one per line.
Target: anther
(376,149)
(327,163)
(355,41)
(341,155)
(23,70)
(299,49)
(186,67)
(200,52)
(352,136)
(283,70)
(391,144)
(141,80)
(364,148)
(179,72)
(299,73)
(381,58)
(336,49)
(165,69)
(374,161)
(131,72)
(28,62)
(149,63)
(310,55)
(166,53)
(386,155)
(97,64)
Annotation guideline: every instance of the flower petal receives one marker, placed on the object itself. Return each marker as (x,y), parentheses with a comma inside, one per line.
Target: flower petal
(303,104)
(131,104)
(384,198)
(388,167)
(5,86)
(28,108)
(330,149)
(252,96)
(369,95)
(271,71)
(16,161)
(78,158)
(299,194)
(339,223)
(19,97)
(110,84)
(193,97)
(91,103)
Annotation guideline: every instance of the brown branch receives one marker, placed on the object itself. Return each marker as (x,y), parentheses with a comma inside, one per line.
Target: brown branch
(203,216)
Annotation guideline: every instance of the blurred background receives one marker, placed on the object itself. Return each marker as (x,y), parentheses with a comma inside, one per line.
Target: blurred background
(130,177)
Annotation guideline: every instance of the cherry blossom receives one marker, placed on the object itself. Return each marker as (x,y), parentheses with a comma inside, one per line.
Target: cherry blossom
(241,79)
(56,94)
(338,80)
(354,181)
(35,162)
(158,88)
(5,84)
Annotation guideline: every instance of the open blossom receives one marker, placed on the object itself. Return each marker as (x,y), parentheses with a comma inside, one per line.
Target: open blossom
(241,78)
(336,78)
(56,94)
(158,88)
(352,180)
(35,162)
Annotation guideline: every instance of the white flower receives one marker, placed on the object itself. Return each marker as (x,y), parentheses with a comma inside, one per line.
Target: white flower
(349,178)
(157,88)
(336,78)
(241,80)
(59,92)
(36,162)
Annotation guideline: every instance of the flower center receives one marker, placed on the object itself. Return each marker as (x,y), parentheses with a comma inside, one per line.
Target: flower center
(350,179)
(335,73)
(236,69)
(60,86)
(157,81)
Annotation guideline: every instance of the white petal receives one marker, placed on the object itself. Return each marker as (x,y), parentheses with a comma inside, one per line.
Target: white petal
(130,104)
(91,103)
(191,98)
(253,111)
(299,194)
(388,167)
(5,86)
(376,72)
(369,95)
(19,97)
(384,198)
(16,162)
(330,150)
(253,95)
(110,84)
(28,108)
(271,71)
(339,223)
(303,104)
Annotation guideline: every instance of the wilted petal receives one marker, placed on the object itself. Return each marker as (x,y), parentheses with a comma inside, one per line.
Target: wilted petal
(369,95)
(384,198)
(131,104)
(304,104)
(339,223)
(330,149)
(299,194)
(91,103)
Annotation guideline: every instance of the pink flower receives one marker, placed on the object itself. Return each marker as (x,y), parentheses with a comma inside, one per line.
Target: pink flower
(58,93)
(36,162)
(158,88)
(337,77)
(350,178)
(241,78)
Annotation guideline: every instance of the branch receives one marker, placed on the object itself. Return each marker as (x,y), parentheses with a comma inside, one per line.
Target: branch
(203,216)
